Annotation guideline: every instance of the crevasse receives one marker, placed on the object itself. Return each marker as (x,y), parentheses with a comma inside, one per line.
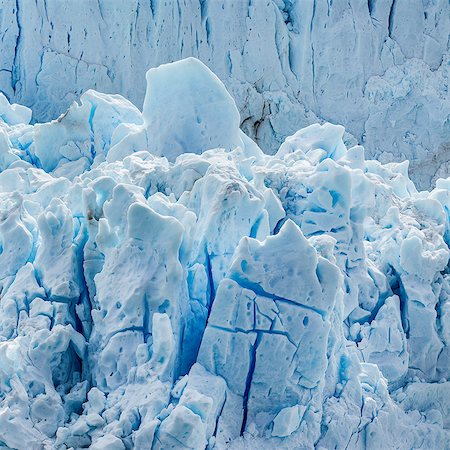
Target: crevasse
(166,284)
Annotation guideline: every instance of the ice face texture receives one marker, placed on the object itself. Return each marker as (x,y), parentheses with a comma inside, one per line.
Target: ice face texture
(153,298)
(378,67)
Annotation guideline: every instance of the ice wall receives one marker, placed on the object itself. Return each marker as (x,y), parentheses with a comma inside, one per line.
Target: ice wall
(379,67)
(219,298)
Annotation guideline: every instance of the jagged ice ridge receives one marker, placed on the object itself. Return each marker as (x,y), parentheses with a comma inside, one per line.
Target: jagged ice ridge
(167,285)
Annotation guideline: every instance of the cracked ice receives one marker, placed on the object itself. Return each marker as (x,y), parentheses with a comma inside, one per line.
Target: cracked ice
(166,284)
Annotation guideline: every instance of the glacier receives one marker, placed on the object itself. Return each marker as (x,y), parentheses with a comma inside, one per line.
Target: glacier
(165,284)
(379,67)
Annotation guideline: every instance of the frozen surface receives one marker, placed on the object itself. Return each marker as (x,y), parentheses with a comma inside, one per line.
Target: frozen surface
(160,294)
(378,67)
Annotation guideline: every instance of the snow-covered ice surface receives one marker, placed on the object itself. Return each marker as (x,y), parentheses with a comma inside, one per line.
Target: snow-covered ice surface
(379,67)
(167,285)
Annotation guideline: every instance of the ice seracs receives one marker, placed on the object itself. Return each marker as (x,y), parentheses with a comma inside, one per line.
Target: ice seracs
(215,297)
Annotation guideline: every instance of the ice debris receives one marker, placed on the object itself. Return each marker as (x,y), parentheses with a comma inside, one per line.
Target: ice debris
(164,284)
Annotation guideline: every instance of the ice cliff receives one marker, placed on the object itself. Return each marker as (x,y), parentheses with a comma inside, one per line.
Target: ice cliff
(379,67)
(167,285)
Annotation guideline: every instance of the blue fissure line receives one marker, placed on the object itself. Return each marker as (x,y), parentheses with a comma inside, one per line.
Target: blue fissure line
(15,76)
(146,318)
(212,289)
(313,71)
(258,290)
(248,381)
(397,289)
(203,10)
(370,6)
(91,126)
(212,295)
(257,331)
(391,19)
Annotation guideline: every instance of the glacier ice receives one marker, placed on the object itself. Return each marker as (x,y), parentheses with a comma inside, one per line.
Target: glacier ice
(379,67)
(165,284)
(194,123)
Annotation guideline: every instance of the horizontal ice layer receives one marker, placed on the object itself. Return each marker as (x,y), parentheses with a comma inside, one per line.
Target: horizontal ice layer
(380,68)
(214,298)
